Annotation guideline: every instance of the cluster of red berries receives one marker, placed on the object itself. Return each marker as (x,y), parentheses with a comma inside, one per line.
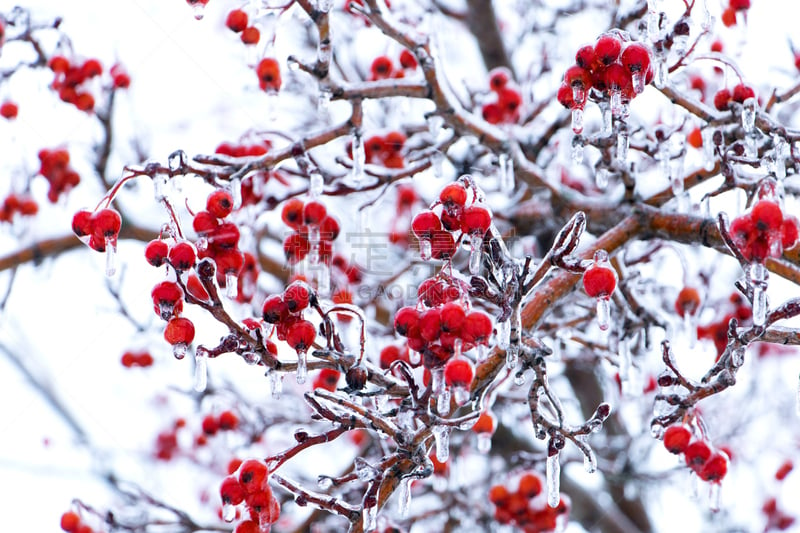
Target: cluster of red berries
(55,167)
(71,522)
(238,22)
(740,93)
(285,311)
(734,6)
(383,67)
(9,110)
(99,229)
(131,359)
(709,465)
(225,421)
(251,488)
(168,305)
(70,80)
(777,518)
(610,66)
(440,330)
(526,506)
(764,231)
(305,218)
(435,230)
(385,150)
(219,239)
(21,204)
(508,100)
(717,331)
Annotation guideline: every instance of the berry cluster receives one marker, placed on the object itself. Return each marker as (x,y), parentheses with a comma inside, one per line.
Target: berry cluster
(383,67)
(740,93)
(21,204)
(506,105)
(251,488)
(71,522)
(764,231)
(312,226)
(285,311)
(71,80)
(238,22)
(99,229)
(168,305)
(385,150)
(526,507)
(131,359)
(777,518)
(54,166)
(734,6)
(436,230)
(225,421)
(9,110)
(607,67)
(441,330)
(709,465)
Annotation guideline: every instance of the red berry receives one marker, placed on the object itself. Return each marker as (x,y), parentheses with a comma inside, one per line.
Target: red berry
(91,68)
(729,17)
(210,425)
(250,35)
(742,92)
(167,299)
(789,232)
(292,213)
(179,331)
(329,228)
(715,468)
(509,101)
(231,492)
(405,319)
(275,309)
(82,223)
(314,212)
(453,194)
(499,495)
(585,57)
(430,324)
(296,297)
(695,138)
(452,317)
(677,438)
(182,256)
(237,20)
(492,113)
(458,372)
(301,335)
(219,203)
(576,76)
(156,252)
(485,424)
(407,60)
(204,223)
(394,141)
(9,110)
(228,421)
(617,78)
(443,246)
(248,526)
(599,281)
(530,485)
(696,454)
(226,235)
(565,96)
(58,64)
(296,247)
(607,49)
(70,521)
(739,5)
(688,301)
(84,101)
(425,224)
(477,328)
(767,216)
(381,68)
(106,223)
(784,470)
(390,354)
(636,58)
(253,475)
(475,220)
(499,78)
(327,379)
(269,74)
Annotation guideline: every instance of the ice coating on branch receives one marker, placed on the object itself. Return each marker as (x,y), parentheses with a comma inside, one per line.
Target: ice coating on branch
(275,380)
(231,285)
(441,435)
(359,158)
(475,243)
(302,366)
(622,146)
(603,314)
(553,478)
(589,461)
(503,333)
(404,497)
(111,256)
(507,178)
(714,490)
(200,369)
(601,178)
(758,280)
(576,153)
(315,184)
(577,120)
(370,517)
(749,114)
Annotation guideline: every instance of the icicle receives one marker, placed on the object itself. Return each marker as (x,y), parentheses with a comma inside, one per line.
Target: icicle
(616,103)
(235,188)
(111,256)
(507,177)
(737,357)
(370,516)
(605,113)
(758,280)
(404,497)
(714,490)
(577,150)
(622,146)
(514,333)
(484,442)
(177,161)
(364,471)
(749,114)
(577,120)
(638,79)
(652,19)
(780,158)
(661,71)
(589,461)
(198,10)
(601,178)
(435,124)
(443,401)
(503,334)
(708,148)
(483,353)
(179,350)
(228,512)
(231,284)
(656,429)
(200,369)
(461,395)
(160,188)
(324,52)
(414,357)
(442,436)
(302,366)
(275,380)
(553,475)
(457,346)
(359,158)
(426,251)
(475,243)
(689,328)
(624,364)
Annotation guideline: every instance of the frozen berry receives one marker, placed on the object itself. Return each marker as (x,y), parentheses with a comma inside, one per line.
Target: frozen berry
(599,281)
